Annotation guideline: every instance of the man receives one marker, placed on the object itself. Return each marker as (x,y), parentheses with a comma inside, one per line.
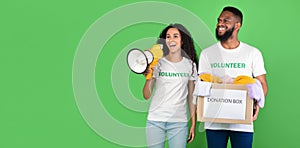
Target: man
(230,51)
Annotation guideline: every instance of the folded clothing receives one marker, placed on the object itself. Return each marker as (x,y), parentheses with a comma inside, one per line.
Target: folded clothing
(255,91)
(201,89)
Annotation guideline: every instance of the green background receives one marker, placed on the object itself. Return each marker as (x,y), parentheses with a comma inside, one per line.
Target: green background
(38,42)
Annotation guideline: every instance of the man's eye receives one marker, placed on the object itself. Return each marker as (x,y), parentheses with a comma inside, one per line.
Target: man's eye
(226,20)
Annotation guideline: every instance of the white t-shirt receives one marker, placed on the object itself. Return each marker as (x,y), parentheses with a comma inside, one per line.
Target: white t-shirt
(221,62)
(169,100)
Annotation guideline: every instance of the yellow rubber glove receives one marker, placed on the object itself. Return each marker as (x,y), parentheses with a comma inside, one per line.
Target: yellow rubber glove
(210,78)
(243,80)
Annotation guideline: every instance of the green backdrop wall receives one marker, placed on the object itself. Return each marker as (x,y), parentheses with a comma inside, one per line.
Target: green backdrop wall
(65,83)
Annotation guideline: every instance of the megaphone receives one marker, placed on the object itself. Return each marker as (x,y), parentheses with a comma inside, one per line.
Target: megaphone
(138,60)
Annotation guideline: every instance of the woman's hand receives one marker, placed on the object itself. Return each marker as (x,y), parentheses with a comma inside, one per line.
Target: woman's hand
(191,134)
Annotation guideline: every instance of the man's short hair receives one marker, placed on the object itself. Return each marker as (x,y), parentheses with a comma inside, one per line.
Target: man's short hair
(236,12)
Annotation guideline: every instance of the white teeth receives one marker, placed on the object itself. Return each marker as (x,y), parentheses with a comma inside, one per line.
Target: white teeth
(221,28)
(172,45)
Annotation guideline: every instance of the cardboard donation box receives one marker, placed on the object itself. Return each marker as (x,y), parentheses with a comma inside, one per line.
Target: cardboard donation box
(227,103)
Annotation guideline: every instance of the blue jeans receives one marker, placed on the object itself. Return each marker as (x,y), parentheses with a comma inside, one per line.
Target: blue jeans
(157,131)
(219,139)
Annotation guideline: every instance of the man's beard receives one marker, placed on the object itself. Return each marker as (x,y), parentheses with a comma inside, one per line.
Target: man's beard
(225,36)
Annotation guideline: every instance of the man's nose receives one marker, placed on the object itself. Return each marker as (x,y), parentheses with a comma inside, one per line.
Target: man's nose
(220,22)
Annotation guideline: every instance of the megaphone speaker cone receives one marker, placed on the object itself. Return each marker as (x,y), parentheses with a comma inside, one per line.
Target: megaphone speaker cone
(137,60)
(149,56)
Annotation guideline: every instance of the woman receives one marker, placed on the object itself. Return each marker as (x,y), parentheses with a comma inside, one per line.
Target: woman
(174,78)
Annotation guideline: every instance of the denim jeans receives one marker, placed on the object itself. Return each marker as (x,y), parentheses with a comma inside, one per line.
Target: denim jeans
(157,131)
(219,139)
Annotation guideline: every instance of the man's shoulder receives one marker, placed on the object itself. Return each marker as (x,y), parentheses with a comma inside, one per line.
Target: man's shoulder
(246,45)
(250,49)
(211,47)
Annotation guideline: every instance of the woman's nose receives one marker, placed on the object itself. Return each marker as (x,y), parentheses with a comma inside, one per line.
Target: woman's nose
(171,39)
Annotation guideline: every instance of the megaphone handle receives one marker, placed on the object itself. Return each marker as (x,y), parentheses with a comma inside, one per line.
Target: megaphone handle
(149,75)
(150,72)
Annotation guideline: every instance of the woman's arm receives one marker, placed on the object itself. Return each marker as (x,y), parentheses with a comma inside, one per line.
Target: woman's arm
(192,109)
(148,87)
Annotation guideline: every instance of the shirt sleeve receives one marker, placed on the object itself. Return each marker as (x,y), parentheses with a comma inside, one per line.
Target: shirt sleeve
(156,70)
(204,66)
(194,74)
(258,64)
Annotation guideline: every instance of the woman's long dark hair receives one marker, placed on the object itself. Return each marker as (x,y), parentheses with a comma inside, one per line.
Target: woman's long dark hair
(187,42)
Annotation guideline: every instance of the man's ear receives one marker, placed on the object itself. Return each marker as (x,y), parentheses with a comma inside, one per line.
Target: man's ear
(238,25)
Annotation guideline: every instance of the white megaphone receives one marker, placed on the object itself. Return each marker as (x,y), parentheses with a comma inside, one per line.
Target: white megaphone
(138,60)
